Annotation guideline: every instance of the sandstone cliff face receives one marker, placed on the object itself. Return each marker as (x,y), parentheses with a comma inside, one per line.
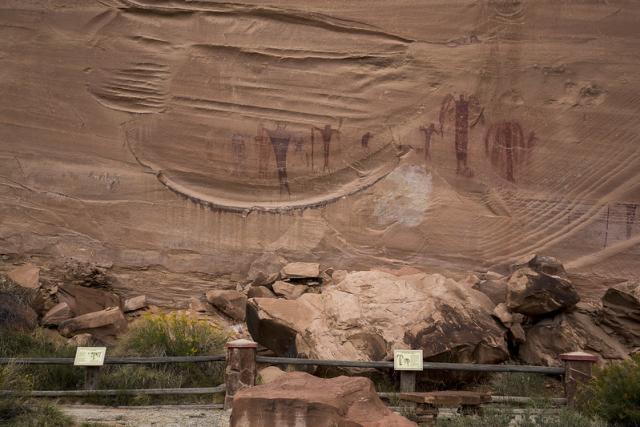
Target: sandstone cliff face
(195,135)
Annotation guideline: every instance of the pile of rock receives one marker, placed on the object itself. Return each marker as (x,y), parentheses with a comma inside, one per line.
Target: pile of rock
(76,308)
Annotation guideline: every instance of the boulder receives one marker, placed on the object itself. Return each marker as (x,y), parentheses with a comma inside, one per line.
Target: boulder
(199,306)
(300,399)
(542,264)
(534,293)
(567,332)
(265,269)
(58,314)
(104,324)
(80,340)
(230,302)
(621,312)
(370,313)
(135,303)
(83,300)
(300,270)
(289,290)
(260,292)
(27,276)
(338,276)
(269,374)
(495,289)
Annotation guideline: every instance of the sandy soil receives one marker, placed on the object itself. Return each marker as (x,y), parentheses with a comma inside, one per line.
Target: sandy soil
(165,416)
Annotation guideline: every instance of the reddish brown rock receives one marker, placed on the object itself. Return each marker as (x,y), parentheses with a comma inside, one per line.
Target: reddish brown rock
(621,312)
(289,290)
(260,292)
(301,270)
(199,306)
(135,303)
(232,303)
(303,400)
(542,264)
(27,276)
(108,322)
(58,314)
(83,300)
(534,293)
(265,269)
(494,288)
(269,374)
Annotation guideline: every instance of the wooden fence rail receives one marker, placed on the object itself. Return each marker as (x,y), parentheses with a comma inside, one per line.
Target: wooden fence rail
(114,360)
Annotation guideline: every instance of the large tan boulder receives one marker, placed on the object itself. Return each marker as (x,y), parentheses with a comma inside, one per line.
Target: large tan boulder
(27,276)
(302,400)
(542,264)
(260,292)
(621,312)
(57,314)
(83,300)
(104,324)
(269,374)
(495,288)
(230,302)
(535,293)
(135,303)
(567,332)
(265,269)
(370,313)
(289,290)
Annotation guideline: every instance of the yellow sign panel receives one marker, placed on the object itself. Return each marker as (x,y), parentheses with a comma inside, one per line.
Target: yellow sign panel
(90,356)
(407,360)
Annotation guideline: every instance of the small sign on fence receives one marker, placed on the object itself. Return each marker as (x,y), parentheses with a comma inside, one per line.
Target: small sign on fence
(407,360)
(90,356)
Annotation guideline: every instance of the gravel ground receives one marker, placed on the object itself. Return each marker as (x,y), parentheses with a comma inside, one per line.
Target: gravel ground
(143,416)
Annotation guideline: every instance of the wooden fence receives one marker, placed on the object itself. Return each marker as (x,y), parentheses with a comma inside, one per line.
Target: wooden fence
(241,371)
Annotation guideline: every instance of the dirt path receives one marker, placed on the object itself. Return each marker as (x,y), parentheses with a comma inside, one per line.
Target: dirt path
(143,416)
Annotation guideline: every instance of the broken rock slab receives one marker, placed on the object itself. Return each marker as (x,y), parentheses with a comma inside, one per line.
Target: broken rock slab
(494,288)
(199,306)
(370,313)
(269,374)
(27,276)
(302,400)
(230,302)
(57,314)
(135,303)
(260,292)
(542,264)
(621,312)
(301,270)
(112,317)
(289,290)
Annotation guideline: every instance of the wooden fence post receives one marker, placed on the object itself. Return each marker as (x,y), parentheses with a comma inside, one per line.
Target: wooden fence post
(407,381)
(241,368)
(91,377)
(577,370)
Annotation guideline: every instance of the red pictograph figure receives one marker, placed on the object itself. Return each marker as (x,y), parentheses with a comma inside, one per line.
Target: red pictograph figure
(364,142)
(460,109)
(631,218)
(327,134)
(507,148)
(428,133)
(280,138)
(238,150)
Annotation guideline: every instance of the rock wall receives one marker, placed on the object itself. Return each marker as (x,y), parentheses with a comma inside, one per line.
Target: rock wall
(193,135)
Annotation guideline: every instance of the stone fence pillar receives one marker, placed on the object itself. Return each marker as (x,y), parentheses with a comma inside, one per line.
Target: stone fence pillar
(241,368)
(577,371)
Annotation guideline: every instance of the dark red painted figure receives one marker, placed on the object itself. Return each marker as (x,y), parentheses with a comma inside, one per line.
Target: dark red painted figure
(460,108)
(280,139)
(631,218)
(365,139)
(428,133)
(327,133)
(238,150)
(506,147)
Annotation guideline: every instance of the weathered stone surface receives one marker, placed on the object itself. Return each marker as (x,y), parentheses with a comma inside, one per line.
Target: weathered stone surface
(265,269)
(80,340)
(370,313)
(27,275)
(199,306)
(536,293)
(495,289)
(300,270)
(303,400)
(542,264)
(503,314)
(232,303)
(58,314)
(83,300)
(269,374)
(260,292)
(621,312)
(111,317)
(567,332)
(289,290)
(135,303)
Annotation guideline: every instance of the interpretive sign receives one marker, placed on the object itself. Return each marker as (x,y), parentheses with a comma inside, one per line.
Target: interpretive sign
(407,360)
(90,356)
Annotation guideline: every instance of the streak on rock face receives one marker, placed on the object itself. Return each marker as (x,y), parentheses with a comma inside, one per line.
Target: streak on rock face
(407,197)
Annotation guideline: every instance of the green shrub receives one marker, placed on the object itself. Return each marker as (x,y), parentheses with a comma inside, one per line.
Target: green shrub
(614,393)
(518,384)
(40,415)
